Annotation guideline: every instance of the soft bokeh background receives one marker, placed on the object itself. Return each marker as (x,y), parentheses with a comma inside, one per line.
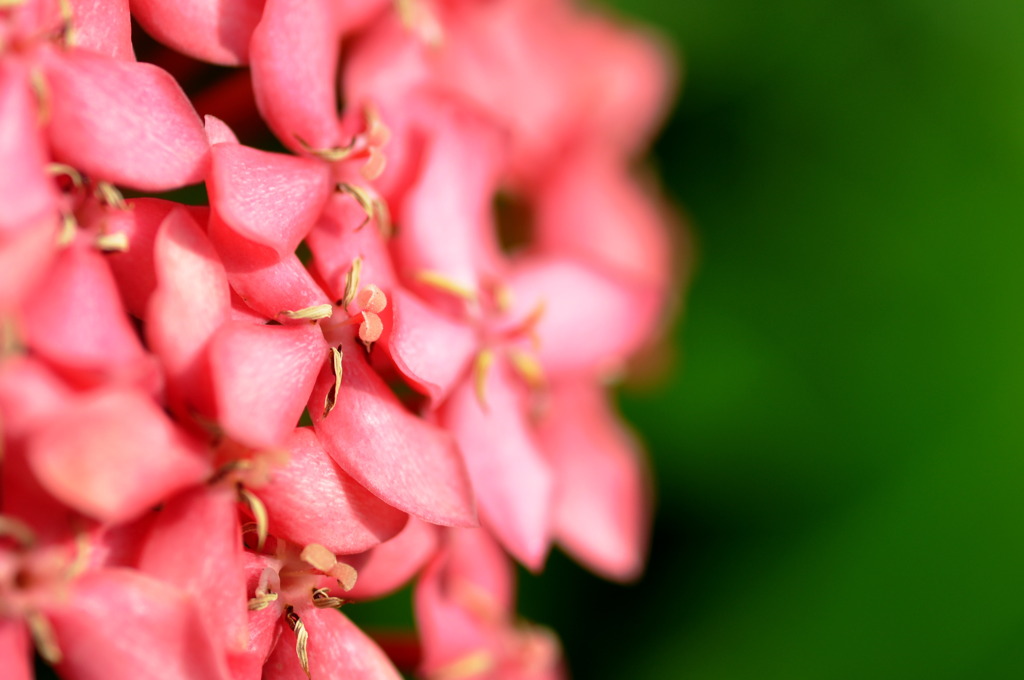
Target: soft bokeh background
(839,450)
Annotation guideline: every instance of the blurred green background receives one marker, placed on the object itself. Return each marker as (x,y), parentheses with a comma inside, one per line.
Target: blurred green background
(839,447)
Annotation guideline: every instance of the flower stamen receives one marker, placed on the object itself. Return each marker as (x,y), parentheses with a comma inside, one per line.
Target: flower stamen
(469,666)
(336,367)
(528,367)
(44,638)
(14,528)
(481,367)
(261,601)
(301,639)
(115,242)
(322,599)
(332,155)
(352,282)
(259,513)
(314,313)
(373,207)
(63,169)
(108,194)
(445,285)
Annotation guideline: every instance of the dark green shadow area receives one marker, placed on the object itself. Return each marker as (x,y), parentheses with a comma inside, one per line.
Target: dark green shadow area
(840,451)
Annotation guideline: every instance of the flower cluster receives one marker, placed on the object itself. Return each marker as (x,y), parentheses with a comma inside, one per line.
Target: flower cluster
(379,353)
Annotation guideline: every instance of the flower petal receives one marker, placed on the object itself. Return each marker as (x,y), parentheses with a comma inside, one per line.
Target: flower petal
(449,630)
(123,625)
(30,397)
(113,454)
(134,268)
(77,324)
(602,505)
(446,214)
(427,347)
(341,235)
(216,31)
(262,377)
(195,544)
(391,564)
(218,132)
(269,198)
(591,209)
(629,90)
(408,462)
(124,122)
(26,257)
(337,649)
(103,26)
(312,500)
(266,282)
(294,60)
(512,481)
(589,322)
(26,192)
(15,650)
(264,629)
(191,302)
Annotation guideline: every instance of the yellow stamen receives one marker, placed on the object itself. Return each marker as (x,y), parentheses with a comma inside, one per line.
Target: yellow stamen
(352,282)
(18,530)
(481,367)
(502,297)
(314,313)
(417,18)
(262,601)
(116,242)
(322,599)
(57,169)
(406,12)
(445,284)
(44,638)
(528,325)
(527,366)
(301,639)
(471,665)
(10,344)
(8,4)
(383,217)
(82,549)
(363,197)
(67,16)
(109,194)
(377,133)
(338,153)
(42,92)
(259,513)
(232,466)
(68,228)
(336,368)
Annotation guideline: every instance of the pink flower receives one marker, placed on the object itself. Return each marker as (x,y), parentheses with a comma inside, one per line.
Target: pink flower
(464,608)
(292,593)
(222,422)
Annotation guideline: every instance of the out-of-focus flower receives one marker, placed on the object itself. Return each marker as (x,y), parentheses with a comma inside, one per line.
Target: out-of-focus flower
(466,613)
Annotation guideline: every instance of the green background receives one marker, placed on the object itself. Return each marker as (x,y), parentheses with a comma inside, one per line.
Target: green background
(839,446)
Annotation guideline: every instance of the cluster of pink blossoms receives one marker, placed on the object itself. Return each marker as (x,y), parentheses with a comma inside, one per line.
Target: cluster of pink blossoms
(223,423)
